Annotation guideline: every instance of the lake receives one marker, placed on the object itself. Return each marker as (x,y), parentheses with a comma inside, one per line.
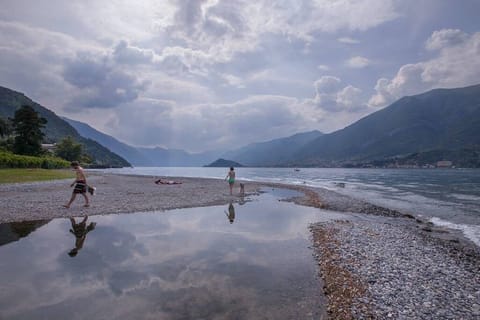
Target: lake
(446,197)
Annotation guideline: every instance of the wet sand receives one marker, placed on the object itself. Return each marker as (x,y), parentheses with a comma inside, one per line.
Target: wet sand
(376,263)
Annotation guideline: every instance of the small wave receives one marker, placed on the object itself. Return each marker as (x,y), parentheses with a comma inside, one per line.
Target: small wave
(465,196)
(472,232)
(409,185)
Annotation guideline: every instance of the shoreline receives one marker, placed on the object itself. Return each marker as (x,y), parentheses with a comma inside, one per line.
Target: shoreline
(114,194)
(371,261)
(119,193)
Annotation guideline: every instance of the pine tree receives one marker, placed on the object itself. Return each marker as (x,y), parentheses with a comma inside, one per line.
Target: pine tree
(5,129)
(28,125)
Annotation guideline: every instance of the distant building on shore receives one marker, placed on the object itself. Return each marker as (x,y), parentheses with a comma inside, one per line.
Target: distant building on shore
(50,147)
(444,164)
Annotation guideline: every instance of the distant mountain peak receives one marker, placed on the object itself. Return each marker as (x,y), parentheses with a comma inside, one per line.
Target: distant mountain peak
(274,152)
(223,163)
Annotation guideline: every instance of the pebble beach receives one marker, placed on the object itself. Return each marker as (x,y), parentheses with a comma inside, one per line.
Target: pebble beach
(373,262)
(114,194)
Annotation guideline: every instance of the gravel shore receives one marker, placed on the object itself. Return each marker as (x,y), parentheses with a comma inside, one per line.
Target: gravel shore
(129,194)
(114,194)
(382,268)
(376,263)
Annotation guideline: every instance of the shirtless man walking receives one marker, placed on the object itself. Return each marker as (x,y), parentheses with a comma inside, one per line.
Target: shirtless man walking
(80,185)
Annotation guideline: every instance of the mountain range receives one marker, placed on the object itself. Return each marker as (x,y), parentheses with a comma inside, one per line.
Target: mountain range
(274,152)
(268,153)
(145,157)
(439,123)
(441,119)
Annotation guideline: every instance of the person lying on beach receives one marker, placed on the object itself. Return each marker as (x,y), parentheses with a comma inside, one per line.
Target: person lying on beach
(160,181)
(80,230)
(80,184)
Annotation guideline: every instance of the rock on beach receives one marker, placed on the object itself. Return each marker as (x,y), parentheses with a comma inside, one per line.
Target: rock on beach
(395,271)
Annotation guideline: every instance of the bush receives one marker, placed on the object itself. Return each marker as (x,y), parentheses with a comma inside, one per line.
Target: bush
(10,160)
(69,149)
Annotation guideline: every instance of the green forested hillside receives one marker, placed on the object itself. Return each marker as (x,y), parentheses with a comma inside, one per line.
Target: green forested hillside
(132,154)
(57,128)
(441,119)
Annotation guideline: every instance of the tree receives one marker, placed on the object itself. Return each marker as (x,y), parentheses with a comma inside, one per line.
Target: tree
(69,150)
(5,128)
(28,125)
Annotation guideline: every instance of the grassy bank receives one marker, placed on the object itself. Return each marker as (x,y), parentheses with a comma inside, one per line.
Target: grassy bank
(11,160)
(28,175)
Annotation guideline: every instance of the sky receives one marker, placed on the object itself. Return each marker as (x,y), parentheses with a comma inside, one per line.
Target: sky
(218,74)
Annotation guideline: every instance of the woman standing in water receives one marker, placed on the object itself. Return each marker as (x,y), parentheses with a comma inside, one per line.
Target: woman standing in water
(231,179)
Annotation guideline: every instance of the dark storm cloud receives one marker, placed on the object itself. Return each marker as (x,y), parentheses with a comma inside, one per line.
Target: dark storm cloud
(85,71)
(198,21)
(102,84)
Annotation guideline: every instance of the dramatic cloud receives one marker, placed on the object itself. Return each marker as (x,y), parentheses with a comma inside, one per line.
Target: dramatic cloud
(331,96)
(350,98)
(215,31)
(407,81)
(221,125)
(207,74)
(124,53)
(456,64)
(101,85)
(445,38)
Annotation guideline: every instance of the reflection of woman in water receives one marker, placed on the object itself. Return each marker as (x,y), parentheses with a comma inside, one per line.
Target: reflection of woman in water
(231,213)
(80,231)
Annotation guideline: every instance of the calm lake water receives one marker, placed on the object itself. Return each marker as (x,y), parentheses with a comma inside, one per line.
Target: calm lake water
(248,261)
(448,197)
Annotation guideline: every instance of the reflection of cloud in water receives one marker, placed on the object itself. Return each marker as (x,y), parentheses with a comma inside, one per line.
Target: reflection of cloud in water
(187,263)
(123,280)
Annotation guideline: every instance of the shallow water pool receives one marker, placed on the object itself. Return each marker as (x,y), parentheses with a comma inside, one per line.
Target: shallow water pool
(248,261)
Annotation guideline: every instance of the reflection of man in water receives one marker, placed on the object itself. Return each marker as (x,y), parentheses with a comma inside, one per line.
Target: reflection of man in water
(80,231)
(231,212)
